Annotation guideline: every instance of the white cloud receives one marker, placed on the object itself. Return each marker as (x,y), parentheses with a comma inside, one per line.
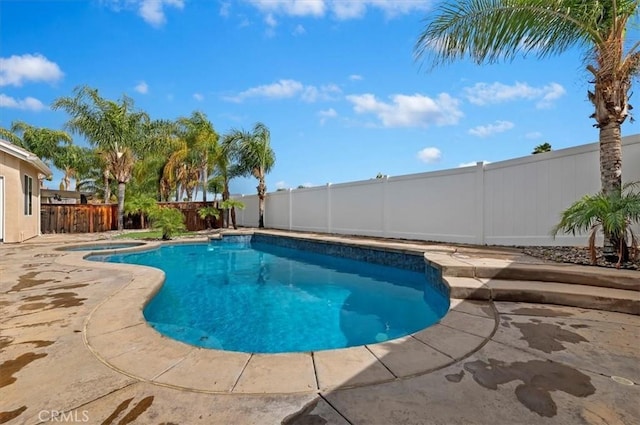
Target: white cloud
(291,7)
(284,89)
(16,70)
(490,129)
(344,10)
(142,87)
(281,185)
(299,30)
(340,9)
(152,11)
(484,94)
(270,20)
(326,114)
(279,90)
(430,155)
(533,135)
(409,110)
(26,104)
(198,96)
(552,92)
(327,92)
(355,77)
(225,9)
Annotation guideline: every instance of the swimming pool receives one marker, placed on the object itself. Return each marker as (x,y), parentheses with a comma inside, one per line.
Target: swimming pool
(103,246)
(243,294)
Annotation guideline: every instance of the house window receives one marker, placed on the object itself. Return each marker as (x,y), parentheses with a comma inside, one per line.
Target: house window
(28,195)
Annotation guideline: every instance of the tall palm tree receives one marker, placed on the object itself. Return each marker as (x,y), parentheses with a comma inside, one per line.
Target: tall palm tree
(226,166)
(488,31)
(202,140)
(255,158)
(43,142)
(117,129)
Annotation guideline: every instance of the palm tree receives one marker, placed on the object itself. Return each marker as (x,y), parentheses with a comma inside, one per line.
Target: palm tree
(226,166)
(255,158)
(202,141)
(541,148)
(613,213)
(43,142)
(182,170)
(489,31)
(115,128)
(74,162)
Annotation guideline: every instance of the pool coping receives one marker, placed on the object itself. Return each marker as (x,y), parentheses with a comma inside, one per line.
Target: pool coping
(119,336)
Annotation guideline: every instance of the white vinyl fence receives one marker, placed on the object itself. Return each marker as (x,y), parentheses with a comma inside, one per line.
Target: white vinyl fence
(513,202)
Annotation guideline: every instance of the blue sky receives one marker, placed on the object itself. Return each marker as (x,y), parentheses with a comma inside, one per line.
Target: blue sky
(335,81)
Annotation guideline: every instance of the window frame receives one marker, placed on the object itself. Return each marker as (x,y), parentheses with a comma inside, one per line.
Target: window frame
(28,195)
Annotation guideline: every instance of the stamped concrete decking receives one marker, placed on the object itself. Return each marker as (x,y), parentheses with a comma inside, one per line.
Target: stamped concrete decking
(73,340)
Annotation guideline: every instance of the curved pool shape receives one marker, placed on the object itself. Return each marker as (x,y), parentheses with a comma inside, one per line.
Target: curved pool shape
(103,246)
(261,298)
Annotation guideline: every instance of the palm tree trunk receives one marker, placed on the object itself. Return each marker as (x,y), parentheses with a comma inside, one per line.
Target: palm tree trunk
(225,196)
(610,175)
(107,188)
(262,188)
(204,184)
(611,157)
(121,189)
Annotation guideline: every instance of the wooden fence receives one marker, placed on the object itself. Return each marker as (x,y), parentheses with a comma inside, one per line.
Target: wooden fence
(78,218)
(90,218)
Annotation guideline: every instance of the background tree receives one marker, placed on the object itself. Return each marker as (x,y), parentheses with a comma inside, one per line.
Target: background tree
(43,142)
(255,158)
(201,140)
(488,31)
(544,147)
(117,129)
(227,167)
(74,162)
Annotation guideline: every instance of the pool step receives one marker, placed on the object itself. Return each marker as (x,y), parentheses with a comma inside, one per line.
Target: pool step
(488,268)
(535,291)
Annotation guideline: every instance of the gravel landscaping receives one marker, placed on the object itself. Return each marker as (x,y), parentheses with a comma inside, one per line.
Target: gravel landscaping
(576,255)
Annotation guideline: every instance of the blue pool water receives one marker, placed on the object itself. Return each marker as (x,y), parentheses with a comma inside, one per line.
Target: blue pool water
(262,298)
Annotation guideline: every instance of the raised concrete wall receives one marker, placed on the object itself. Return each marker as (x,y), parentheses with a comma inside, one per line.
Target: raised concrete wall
(513,202)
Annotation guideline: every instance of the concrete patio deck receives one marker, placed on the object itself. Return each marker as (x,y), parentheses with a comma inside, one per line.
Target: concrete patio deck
(75,348)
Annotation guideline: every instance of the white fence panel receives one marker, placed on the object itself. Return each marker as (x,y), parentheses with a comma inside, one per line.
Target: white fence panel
(357,208)
(438,206)
(248,217)
(277,210)
(309,209)
(524,197)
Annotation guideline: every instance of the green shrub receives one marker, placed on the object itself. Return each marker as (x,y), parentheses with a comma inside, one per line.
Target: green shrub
(206,213)
(169,220)
(613,214)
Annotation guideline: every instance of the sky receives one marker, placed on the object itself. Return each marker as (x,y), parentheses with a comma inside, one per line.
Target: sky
(335,81)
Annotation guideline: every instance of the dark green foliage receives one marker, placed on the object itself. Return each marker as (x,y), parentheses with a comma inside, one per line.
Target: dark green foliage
(169,220)
(613,214)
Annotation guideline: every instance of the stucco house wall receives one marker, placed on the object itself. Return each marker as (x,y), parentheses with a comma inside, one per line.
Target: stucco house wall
(17,223)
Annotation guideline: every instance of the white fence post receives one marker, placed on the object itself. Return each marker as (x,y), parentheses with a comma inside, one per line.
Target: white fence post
(480,203)
(329,221)
(290,208)
(386,213)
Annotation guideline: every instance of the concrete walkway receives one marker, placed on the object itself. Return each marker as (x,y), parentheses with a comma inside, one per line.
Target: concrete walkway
(537,364)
